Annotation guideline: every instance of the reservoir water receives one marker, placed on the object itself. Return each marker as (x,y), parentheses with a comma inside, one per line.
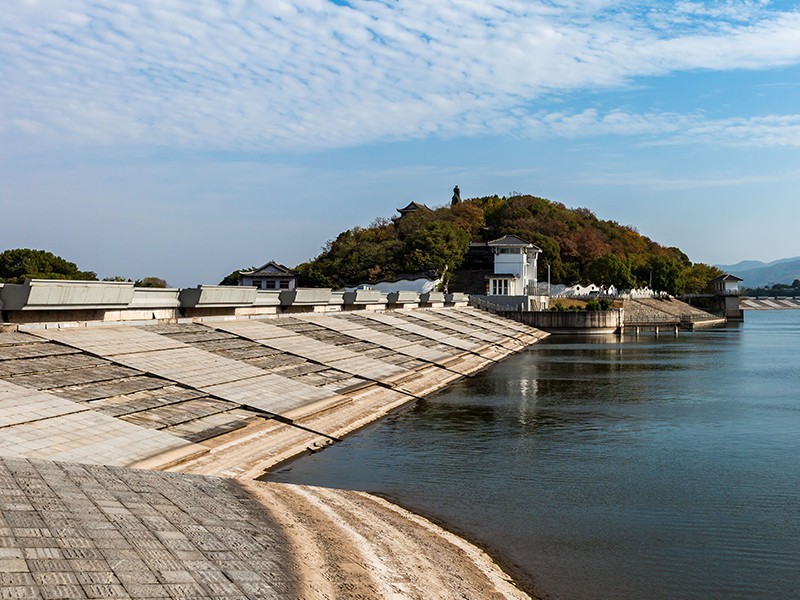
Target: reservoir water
(609,468)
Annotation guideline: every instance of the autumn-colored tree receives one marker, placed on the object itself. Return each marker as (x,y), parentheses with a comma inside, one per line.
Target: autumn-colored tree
(572,243)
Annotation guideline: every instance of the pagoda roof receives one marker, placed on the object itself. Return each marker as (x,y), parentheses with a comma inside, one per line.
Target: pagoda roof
(411,207)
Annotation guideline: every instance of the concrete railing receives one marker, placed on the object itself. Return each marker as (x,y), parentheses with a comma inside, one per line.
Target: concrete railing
(59,301)
(306,297)
(155,298)
(213,296)
(55,294)
(401,298)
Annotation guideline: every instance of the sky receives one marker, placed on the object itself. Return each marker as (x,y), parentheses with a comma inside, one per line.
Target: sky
(185,140)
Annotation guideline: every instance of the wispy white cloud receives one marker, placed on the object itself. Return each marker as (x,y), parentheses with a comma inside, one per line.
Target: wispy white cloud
(668,128)
(653,181)
(306,74)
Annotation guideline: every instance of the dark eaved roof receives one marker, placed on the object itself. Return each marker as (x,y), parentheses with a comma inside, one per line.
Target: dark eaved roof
(726,277)
(502,276)
(411,207)
(512,240)
(271,269)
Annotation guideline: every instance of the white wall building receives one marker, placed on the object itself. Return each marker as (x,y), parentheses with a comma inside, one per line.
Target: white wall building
(515,267)
(726,285)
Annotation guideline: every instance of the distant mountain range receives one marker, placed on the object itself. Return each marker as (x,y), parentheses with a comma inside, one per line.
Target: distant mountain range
(759,274)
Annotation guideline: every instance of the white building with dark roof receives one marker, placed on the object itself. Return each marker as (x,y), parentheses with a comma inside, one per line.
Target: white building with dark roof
(726,285)
(271,276)
(515,267)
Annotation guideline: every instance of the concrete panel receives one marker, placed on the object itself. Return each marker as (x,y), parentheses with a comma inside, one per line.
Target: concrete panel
(38,425)
(456,298)
(51,294)
(109,341)
(305,296)
(267,298)
(256,330)
(92,531)
(426,332)
(364,297)
(403,297)
(432,297)
(272,393)
(23,405)
(171,359)
(155,298)
(210,296)
(337,298)
(491,319)
(385,340)
(316,351)
(467,330)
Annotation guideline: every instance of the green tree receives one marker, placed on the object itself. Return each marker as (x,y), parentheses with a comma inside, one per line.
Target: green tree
(233,277)
(665,272)
(610,269)
(20,264)
(150,282)
(696,278)
(431,245)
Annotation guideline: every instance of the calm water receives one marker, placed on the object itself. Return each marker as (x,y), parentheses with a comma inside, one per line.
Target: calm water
(606,468)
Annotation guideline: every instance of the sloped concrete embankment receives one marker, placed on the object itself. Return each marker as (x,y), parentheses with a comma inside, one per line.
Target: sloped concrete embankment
(226,398)
(666,311)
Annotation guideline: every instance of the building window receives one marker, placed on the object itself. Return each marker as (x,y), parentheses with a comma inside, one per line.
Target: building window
(509,251)
(284,285)
(499,287)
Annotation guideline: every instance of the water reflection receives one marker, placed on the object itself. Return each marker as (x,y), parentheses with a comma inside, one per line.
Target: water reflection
(610,467)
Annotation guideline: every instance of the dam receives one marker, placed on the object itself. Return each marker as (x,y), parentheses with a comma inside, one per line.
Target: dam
(133,423)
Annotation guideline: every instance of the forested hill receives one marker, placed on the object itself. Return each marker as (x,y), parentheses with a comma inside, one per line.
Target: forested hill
(575,243)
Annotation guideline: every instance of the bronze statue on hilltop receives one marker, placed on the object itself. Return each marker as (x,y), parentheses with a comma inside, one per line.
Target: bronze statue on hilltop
(456,196)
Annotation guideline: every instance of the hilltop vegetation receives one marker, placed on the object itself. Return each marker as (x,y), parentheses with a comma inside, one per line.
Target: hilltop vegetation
(575,244)
(19,264)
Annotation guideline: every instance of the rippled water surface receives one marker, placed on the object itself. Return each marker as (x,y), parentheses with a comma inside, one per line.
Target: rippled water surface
(610,468)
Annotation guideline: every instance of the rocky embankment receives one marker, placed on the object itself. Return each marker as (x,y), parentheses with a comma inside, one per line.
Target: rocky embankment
(664,311)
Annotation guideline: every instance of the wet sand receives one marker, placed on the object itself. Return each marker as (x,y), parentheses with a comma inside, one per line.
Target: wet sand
(349,544)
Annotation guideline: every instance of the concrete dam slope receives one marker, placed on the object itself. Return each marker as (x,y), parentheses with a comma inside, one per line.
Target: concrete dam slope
(217,401)
(748,303)
(665,311)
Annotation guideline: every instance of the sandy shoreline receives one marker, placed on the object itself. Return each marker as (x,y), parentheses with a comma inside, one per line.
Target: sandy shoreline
(350,544)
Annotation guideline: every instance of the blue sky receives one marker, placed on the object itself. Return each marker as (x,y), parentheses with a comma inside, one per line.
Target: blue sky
(185,140)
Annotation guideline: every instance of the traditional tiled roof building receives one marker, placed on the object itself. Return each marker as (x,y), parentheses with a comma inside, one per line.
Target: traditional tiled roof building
(271,276)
